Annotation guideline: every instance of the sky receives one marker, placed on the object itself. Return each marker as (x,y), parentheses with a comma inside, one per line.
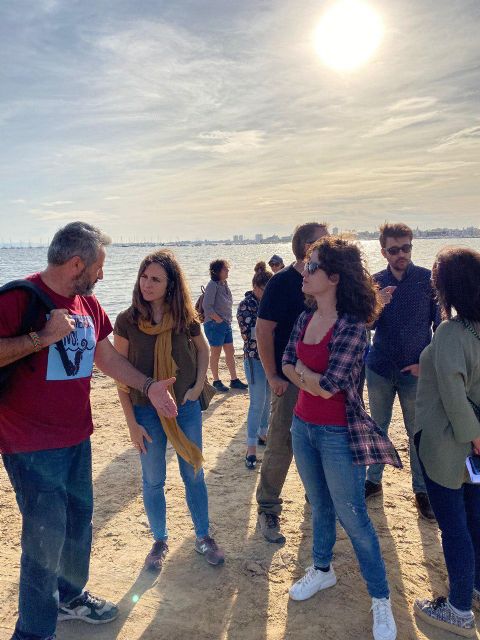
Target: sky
(192,119)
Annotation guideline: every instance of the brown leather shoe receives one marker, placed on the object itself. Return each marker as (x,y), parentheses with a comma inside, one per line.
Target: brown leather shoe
(158,552)
(424,507)
(269,524)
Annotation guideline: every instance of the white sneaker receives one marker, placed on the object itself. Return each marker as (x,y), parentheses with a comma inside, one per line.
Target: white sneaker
(314,580)
(384,627)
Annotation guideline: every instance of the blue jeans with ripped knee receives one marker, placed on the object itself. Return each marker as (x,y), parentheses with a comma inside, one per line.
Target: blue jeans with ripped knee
(335,487)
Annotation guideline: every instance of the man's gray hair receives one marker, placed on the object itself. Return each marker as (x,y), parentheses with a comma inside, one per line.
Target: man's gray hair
(77,239)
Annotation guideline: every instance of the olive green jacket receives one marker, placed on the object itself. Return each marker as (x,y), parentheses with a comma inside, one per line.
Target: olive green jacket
(449,372)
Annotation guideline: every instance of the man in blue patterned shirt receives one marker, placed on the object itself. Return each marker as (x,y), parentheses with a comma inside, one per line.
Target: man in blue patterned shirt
(402,331)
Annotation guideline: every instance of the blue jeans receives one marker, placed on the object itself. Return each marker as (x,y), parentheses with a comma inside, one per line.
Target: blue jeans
(259,408)
(54,493)
(381,396)
(154,469)
(458,516)
(335,486)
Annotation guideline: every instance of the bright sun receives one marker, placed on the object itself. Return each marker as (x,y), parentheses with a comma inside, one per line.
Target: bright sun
(348,35)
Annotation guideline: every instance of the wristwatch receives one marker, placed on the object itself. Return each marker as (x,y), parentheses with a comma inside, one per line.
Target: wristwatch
(302,376)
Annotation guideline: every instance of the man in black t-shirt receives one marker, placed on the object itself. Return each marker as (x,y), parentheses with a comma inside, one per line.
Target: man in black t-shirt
(281,304)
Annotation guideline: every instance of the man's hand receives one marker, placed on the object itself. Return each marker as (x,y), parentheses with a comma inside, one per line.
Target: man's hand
(278,385)
(59,325)
(414,369)
(138,435)
(161,399)
(476,446)
(385,295)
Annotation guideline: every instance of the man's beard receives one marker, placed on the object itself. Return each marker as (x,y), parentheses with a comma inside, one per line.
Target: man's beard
(82,286)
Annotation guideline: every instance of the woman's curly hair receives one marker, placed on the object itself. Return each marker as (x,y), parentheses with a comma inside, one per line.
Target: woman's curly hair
(357,293)
(456,278)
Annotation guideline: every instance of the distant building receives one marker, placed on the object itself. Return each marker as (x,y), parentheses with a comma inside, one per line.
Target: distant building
(235,238)
(335,231)
(258,237)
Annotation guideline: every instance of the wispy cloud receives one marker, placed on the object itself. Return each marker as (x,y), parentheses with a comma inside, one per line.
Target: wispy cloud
(401,122)
(464,137)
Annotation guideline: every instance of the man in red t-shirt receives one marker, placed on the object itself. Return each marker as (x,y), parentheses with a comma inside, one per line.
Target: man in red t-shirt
(45,428)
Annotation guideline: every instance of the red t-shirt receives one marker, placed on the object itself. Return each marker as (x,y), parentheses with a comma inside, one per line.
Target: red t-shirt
(46,407)
(315,409)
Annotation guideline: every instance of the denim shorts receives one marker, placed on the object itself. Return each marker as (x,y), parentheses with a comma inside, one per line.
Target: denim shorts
(218,333)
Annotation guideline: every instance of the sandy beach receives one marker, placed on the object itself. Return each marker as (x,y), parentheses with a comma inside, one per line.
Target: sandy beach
(247,598)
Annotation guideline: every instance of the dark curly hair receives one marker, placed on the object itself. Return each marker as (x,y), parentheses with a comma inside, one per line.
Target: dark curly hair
(216,266)
(456,278)
(357,293)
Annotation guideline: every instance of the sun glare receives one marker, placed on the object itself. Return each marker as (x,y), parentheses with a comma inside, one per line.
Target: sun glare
(348,35)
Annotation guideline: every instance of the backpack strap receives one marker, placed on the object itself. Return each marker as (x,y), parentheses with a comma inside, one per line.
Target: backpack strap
(37,295)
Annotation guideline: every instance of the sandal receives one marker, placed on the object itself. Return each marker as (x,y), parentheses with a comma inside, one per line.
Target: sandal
(251,461)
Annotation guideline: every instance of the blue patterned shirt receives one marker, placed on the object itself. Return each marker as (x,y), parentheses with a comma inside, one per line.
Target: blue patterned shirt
(404,327)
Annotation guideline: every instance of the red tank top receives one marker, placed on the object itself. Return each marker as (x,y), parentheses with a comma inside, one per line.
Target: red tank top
(315,409)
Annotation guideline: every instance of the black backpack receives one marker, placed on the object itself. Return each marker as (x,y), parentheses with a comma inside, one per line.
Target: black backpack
(38,300)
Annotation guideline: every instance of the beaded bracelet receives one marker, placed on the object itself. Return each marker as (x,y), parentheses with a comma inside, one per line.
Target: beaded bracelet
(35,338)
(146,386)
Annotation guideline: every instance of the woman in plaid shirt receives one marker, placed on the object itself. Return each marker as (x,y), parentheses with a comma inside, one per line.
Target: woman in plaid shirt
(333,437)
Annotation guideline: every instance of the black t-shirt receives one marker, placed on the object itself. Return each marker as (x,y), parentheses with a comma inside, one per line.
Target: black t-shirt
(282,302)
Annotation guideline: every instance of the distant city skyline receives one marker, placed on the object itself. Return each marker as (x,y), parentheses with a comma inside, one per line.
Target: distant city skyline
(465,232)
(209,118)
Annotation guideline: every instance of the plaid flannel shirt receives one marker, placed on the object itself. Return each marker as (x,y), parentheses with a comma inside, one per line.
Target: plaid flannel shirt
(368,444)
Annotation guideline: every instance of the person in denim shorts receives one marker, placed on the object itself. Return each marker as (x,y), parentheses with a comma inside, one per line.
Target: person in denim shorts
(217,308)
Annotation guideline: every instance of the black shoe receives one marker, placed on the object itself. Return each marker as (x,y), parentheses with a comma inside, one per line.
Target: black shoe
(238,384)
(251,461)
(261,442)
(423,505)
(372,489)
(219,386)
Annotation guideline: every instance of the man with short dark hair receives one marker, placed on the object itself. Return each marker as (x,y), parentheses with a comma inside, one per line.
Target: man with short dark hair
(402,331)
(45,428)
(281,304)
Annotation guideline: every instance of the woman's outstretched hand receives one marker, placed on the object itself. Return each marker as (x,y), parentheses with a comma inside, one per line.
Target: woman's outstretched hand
(161,399)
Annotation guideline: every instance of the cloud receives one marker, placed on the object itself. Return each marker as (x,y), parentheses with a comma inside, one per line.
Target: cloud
(463,137)
(411,104)
(56,203)
(401,122)
(85,215)
(228,141)
(18,201)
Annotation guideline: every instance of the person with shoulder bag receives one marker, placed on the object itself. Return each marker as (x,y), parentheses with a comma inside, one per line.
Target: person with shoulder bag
(160,335)
(217,308)
(448,432)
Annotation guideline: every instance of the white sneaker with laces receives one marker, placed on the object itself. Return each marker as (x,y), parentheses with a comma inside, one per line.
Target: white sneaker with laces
(384,627)
(314,580)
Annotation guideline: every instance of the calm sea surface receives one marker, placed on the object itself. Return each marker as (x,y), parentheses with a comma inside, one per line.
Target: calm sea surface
(121,266)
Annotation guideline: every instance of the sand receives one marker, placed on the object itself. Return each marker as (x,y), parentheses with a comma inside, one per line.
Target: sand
(247,598)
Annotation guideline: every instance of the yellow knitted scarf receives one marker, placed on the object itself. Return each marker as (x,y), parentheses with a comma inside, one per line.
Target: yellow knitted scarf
(164,368)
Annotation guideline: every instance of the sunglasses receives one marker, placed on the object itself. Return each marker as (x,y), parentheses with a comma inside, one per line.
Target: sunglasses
(311,267)
(394,251)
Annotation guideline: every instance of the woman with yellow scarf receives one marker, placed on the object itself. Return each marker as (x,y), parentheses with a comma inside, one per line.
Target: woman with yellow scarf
(160,335)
